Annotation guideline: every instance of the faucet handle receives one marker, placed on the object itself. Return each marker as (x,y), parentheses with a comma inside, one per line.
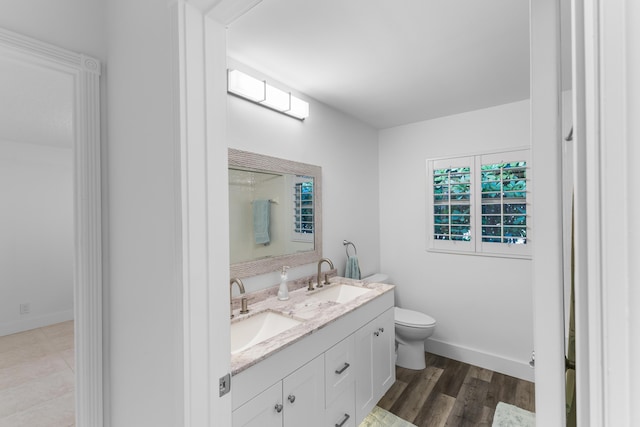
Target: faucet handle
(310,285)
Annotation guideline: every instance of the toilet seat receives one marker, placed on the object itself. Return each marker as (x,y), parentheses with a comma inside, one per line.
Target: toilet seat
(412,319)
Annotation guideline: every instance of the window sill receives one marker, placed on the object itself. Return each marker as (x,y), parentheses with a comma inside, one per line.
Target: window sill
(480,254)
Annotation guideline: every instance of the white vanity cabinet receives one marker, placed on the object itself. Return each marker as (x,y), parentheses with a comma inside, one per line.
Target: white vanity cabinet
(376,369)
(297,400)
(332,376)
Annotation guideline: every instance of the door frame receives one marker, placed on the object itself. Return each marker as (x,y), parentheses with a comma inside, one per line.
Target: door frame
(606,100)
(87,211)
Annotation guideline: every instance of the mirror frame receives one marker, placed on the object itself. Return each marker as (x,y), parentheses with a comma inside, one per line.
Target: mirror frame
(259,162)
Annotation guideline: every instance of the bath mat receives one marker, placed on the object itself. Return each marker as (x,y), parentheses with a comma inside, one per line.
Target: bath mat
(511,416)
(378,417)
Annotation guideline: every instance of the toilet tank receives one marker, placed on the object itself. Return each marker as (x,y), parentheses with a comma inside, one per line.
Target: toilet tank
(378,278)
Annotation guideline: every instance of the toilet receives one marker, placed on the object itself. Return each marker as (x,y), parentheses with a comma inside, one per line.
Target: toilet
(412,329)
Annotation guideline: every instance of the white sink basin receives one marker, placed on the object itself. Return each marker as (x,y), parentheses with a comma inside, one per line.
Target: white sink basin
(257,328)
(340,293)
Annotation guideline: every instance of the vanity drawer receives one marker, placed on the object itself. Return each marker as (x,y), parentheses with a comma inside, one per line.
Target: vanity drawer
(342,412)
(340,369)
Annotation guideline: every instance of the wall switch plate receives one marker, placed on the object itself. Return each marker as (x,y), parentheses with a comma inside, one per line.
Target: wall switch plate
(25,308)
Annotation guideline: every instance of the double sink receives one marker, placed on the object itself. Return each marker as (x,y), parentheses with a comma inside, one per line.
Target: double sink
(268,323)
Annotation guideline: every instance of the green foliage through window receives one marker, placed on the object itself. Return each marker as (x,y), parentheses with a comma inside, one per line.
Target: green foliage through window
(303,207)
(504,208)
(452,204)
(478,204)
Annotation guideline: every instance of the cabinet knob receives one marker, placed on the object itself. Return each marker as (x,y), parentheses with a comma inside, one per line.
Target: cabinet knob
(381,329)
(278,407)
(376,333)
(343,421)
(291,398)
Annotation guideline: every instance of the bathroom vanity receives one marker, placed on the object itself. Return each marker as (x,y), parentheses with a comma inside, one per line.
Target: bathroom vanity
(329,368)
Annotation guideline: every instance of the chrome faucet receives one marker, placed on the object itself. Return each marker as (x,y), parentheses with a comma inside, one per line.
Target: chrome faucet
(244,300)
(326,282)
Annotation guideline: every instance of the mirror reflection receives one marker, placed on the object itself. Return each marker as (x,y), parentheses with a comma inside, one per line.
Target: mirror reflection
(271,214)
(274,213)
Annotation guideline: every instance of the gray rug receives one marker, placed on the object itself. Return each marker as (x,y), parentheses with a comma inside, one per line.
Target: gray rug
(511,416)
(378,417)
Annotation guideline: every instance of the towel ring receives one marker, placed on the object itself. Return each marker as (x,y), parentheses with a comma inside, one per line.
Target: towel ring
(346,244)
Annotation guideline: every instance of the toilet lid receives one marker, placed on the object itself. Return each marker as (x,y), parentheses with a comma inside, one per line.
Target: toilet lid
(412,318)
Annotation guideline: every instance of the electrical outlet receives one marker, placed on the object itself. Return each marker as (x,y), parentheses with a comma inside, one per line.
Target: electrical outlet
(25,308)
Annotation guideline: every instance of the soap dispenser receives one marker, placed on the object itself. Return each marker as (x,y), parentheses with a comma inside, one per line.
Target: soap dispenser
(283,291)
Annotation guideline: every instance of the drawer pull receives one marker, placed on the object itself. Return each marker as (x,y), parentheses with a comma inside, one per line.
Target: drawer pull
(344,368)
(344,420)
(278,407)
(291,398)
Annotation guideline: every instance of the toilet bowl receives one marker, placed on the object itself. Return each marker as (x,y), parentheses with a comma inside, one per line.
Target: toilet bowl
(412,329)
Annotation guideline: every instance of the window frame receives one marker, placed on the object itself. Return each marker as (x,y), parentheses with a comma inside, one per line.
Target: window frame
(297,236)
(476,246)
(449,163)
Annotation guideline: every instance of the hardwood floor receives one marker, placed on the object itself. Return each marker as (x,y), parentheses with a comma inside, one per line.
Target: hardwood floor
(454,394)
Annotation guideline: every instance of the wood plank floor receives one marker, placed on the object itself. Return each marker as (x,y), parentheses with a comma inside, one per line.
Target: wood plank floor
(454,394)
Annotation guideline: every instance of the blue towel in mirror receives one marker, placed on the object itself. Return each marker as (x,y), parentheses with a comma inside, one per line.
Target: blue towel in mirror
(261,218)
(353,268)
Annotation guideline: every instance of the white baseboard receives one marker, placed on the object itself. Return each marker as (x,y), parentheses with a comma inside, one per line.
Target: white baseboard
(511,367)
(35,322)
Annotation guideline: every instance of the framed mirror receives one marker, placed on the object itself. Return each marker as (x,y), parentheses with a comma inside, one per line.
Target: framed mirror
(275,213)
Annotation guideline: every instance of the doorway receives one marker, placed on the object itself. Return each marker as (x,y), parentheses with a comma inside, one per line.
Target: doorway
(54,127)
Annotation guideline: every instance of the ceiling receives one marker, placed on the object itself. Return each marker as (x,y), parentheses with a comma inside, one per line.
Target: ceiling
(390,62)
(37,104)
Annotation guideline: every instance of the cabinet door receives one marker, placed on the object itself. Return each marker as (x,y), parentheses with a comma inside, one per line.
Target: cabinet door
(365,399)
(303,395)
(264,410)
(376,369)
(340,364)
(384,367)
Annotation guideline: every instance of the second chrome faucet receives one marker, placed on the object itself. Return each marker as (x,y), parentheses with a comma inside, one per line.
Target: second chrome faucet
(318,279)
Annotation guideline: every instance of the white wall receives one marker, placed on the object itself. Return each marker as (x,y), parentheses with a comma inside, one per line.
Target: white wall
(482,304)
(145,285)
(76,25)
(36,225)
(345,148)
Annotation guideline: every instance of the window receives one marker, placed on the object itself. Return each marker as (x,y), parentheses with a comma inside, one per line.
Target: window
(478,204)
(504,203)
(303,209)
(452,203)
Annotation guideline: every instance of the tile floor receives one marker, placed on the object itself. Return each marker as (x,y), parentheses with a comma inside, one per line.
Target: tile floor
(37,377)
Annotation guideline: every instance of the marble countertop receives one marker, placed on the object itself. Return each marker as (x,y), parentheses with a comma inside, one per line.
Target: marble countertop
(312,312)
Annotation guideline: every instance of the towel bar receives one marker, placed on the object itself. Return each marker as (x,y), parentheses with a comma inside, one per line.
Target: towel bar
(346,244)
(275,201)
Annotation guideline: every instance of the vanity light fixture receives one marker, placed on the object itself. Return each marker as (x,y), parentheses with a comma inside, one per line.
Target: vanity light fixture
(262,93)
